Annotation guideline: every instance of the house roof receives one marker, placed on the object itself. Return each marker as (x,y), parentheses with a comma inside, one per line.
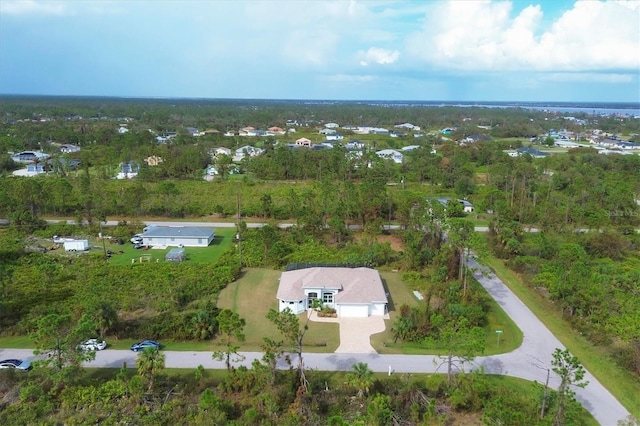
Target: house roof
(354,285)
(178,232)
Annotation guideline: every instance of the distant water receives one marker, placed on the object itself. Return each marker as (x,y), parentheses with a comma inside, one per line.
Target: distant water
(591,108)
(628,109)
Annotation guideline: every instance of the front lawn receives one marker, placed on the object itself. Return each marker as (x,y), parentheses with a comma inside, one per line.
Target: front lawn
(252,295)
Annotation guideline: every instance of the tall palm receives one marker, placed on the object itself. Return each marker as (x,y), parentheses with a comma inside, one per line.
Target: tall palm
(361,378)
(150,362)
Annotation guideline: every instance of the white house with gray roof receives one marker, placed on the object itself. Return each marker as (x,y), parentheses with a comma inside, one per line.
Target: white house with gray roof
(178,236)
(352,292)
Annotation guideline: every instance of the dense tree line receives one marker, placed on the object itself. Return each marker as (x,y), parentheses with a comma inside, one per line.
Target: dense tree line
(251,396)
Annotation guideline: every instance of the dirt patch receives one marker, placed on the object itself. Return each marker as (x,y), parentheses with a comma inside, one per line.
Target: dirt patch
(394,240)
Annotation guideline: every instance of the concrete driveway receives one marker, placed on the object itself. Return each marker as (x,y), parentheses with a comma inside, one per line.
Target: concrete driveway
(355,333)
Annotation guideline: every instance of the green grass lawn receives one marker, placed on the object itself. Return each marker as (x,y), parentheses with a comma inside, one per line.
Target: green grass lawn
(221,242)
(253,295)
(618,381)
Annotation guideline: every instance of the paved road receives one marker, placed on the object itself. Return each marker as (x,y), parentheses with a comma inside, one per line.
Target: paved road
(530,361)
(281,225)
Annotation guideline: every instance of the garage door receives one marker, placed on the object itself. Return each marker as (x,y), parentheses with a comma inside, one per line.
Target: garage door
(378,309)
(353,311)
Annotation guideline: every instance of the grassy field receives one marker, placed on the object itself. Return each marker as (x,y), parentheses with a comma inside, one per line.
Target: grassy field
(130,255)
(618,381)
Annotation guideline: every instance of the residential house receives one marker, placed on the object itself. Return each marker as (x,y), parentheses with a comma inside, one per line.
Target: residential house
(332,125)
(303,142)
(532,152)
(467,207)
(29,157)
(219,151)
(229,133)
(328,132)
(391,154)
(352,292)
(407,126)
(128,170)
(354,145)
(335,137)
(122,130)
(247,131)
(246,151)
(194,132)
(68,148)
(178,236)
(410,148)
(276,130)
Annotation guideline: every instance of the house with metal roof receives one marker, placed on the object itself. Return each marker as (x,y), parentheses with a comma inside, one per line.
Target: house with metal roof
(178,236)
(352,292)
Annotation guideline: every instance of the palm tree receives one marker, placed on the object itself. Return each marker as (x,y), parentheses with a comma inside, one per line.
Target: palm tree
(150,362)
(360,378)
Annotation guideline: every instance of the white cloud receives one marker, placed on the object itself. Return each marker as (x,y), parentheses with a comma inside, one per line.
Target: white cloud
(588,77)
(379,56)
(32,7)
(348,78)
(482,35)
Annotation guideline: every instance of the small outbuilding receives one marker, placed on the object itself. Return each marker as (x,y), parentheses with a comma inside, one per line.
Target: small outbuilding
(176,255)
(178,236)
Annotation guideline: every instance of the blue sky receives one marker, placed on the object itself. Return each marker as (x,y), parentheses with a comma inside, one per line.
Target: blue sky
(387,50)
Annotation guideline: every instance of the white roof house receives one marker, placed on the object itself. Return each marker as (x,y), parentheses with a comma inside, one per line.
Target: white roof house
(391,154)
(352,292)
(467,207)
(178,236)
(29,156)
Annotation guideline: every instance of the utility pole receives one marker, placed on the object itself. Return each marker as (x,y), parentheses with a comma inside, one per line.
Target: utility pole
(104,247)
(239,233)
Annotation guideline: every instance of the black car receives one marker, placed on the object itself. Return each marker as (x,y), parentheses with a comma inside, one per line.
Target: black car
(16,364)
(140,346)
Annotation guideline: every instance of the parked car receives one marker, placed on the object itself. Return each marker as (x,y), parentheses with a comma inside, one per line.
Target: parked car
(138,245)
(136,239)
(93,345)
(140,346)
(17,364)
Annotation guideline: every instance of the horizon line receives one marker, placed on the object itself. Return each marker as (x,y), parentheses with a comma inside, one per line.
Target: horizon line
(325,100)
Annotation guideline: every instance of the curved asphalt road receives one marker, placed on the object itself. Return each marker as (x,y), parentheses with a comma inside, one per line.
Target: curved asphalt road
(530,361)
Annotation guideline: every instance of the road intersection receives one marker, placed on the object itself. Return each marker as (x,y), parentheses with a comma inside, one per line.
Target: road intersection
(531,361)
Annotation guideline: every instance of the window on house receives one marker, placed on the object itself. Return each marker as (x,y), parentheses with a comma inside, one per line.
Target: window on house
(327,297)
(313,295)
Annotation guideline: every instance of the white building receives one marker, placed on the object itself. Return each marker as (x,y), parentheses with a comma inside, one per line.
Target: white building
(391,154)
(352,292)
(178,236)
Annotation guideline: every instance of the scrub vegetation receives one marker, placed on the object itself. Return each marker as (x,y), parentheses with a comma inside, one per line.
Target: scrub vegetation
(339,208)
